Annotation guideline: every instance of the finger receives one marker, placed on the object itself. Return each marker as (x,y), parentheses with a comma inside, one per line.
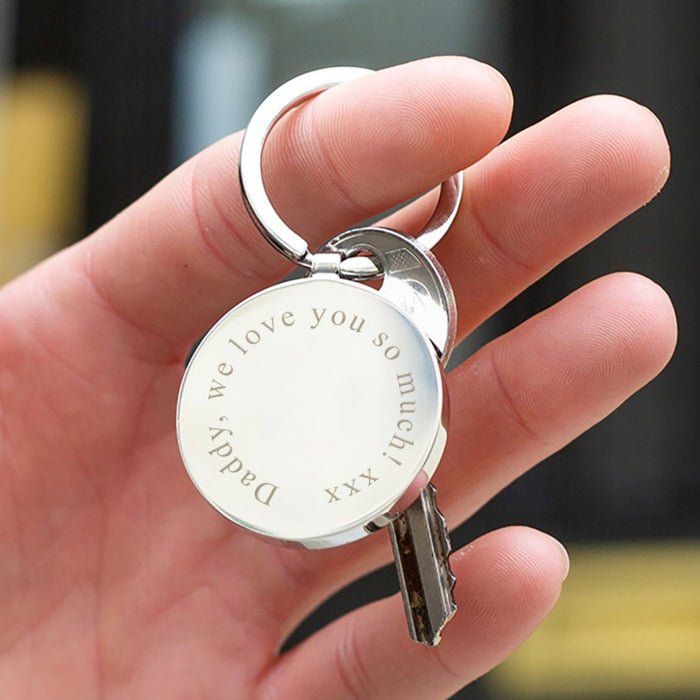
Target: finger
(517,401)
(530,392)
(546,193)
(507,582)
(177,259)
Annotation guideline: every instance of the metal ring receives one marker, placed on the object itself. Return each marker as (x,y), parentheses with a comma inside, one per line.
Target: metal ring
(282,237)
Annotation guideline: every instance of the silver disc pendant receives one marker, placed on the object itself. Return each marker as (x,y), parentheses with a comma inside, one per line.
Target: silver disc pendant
(312,412)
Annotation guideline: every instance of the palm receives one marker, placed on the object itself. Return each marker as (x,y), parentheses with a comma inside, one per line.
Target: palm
(117,577)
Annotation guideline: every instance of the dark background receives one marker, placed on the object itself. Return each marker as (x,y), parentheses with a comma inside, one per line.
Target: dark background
(634,477)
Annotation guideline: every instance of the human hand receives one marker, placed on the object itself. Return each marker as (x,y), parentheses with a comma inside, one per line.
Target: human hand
(119,580)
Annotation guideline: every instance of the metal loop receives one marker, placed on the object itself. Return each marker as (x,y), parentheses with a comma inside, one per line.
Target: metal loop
(282,237)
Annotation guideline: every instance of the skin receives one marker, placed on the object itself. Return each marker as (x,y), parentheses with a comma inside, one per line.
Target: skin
(118,580)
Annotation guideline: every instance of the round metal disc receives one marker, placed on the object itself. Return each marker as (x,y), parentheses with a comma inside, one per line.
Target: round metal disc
(310,410)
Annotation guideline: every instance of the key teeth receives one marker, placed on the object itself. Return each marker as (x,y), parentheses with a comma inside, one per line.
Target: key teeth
(431,495)
(427,589)
(444,542)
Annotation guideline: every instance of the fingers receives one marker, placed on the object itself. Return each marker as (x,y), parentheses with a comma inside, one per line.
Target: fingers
(507,582)
(546,193)
(528,204)
(176,260)
(530,392)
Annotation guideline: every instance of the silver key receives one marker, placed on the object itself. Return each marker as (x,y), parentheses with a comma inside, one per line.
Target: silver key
(421,546)
(419,536)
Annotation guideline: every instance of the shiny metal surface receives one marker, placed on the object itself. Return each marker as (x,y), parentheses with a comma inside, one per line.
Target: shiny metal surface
(421,547)
(412,279)
(259,206)
(310,409)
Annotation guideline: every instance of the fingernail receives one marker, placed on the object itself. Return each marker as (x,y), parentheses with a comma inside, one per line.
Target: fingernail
(565,560)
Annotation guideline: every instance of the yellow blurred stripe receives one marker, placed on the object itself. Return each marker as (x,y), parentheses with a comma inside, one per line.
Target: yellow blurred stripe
(627,623)
(43,145)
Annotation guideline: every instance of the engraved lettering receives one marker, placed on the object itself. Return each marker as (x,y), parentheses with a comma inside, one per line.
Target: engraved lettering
(235,465)
(380,339)
(265,497)
(223,462)
(223,450)
(405,425)
(338,318)
(216,389)
(216,432)
(233,342)
(368,476)
(399,442)
(253,336)
(406,385)
(392,352)
(356,324)
(318,316)
(331,493)
(247,478)
(263,492)
(351,487)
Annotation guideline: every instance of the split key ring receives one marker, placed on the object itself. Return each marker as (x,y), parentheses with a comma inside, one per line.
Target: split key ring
(259,206)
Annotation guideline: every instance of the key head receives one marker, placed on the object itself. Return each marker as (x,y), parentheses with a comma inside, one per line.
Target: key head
(412,278)
(310,410)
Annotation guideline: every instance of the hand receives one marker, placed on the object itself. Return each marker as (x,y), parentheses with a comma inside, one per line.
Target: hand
(117,578)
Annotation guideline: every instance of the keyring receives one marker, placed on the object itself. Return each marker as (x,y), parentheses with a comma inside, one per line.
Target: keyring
(289,95)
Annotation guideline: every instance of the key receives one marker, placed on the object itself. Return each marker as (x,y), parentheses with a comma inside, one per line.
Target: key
(421,547)
(419,536)
(315,412)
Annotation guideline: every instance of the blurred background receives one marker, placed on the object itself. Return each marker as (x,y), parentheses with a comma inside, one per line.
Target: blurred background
(101,98)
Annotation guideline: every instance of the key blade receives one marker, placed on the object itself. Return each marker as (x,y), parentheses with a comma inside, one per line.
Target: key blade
(421,547)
